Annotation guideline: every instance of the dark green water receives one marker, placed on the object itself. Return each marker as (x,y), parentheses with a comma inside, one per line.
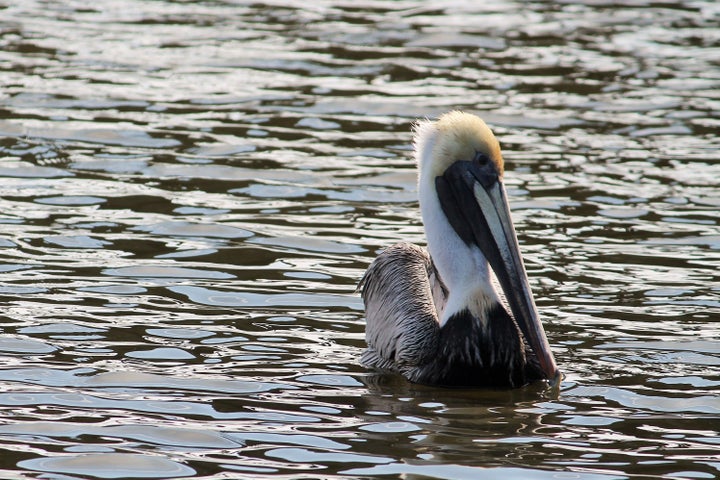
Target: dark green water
(190,191)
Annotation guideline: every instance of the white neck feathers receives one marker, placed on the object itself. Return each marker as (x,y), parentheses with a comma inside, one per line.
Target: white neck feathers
(463,268)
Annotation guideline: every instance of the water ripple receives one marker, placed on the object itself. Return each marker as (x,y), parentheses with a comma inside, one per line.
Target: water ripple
(191,192)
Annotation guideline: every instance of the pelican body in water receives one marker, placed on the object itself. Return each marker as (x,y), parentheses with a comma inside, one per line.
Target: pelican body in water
(461,314)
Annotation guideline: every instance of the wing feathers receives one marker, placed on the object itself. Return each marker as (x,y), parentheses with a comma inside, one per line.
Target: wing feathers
(402,327)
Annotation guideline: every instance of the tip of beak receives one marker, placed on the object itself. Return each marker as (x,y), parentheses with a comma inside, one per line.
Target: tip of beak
(556,378)
(553,384)
(547,363)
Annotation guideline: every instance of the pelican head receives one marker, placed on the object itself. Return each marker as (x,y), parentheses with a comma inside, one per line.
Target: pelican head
(470,234)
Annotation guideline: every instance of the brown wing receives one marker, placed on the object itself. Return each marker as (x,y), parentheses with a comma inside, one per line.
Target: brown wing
(402,324)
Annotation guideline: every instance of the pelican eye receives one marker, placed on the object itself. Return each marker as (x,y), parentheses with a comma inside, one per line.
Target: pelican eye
(484,169)
(481,158)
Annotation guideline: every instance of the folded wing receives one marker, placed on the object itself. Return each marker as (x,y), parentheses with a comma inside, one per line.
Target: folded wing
(402,322)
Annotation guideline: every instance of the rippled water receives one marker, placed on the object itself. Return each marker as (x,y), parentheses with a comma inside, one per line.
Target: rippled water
(191,191)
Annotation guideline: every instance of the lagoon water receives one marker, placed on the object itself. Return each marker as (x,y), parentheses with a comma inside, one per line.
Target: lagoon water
(190,192)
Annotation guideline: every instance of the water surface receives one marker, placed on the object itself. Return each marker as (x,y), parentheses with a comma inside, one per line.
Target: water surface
(190,193)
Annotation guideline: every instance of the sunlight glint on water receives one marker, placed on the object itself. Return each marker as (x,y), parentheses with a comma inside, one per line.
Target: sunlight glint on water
(191,192)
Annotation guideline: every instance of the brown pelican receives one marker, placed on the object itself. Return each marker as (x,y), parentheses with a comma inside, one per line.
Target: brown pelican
(462,313)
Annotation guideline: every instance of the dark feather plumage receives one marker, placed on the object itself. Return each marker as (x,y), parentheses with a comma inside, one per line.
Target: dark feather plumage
(404,336)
